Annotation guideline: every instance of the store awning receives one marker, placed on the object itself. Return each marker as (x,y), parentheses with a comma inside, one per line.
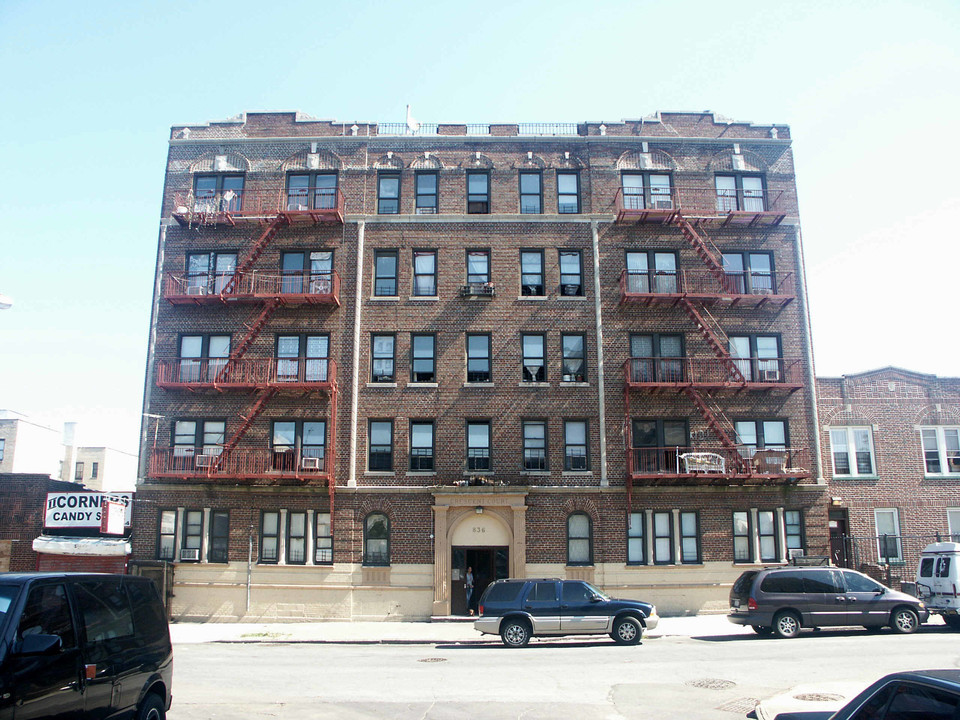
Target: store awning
(102,547)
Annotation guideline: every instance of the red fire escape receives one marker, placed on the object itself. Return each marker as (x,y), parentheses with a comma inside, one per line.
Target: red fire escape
(698,378)
(265,378)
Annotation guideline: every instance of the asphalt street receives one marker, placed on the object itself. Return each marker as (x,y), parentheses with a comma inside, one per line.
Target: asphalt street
(707,676)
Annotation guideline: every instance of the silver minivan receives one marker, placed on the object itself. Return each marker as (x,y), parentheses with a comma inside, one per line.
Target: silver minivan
(784,600)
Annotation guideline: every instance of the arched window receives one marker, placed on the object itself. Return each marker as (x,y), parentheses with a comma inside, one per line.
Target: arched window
(376,539)
(579,539)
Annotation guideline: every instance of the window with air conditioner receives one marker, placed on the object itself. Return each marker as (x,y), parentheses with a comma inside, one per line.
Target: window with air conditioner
(192,538)
(209,272)
(757,357)
(646,191)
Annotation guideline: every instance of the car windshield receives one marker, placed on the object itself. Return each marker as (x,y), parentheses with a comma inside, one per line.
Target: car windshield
(8,593)
(602,594)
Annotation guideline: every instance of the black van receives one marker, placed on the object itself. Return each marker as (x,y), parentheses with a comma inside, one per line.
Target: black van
(783,600)
(83,646)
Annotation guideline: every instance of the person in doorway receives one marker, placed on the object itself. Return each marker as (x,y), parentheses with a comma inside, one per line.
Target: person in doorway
(468,587)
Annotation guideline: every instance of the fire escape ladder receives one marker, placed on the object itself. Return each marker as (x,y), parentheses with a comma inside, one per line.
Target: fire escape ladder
(266,237)
(713,422)
(253,329)
(706,250)
(247,420)
(715,337)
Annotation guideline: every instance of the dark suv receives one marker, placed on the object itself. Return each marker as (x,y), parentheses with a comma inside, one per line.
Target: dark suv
(83,646)
(783,600)
(517,610)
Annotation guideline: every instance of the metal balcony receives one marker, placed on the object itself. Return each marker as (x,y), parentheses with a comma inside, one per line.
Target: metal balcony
(303,288)
(746,289)
(716,465)
(239,463)
(714,374)
(318,374)
(320,206)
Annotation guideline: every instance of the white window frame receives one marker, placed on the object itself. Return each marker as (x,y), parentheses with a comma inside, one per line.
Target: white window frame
(850,431)
(895,514)
(953,527)
(939,434)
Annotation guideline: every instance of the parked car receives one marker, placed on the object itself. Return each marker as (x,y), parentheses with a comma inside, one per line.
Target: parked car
(784,600)
(938,577)
(83,645)
(920,694)
(520,609)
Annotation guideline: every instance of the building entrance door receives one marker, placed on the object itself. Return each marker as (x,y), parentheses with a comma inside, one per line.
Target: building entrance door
(841,552)
(488,564)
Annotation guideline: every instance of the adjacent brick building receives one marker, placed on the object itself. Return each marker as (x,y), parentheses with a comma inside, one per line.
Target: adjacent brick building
(382,354)
(891,454)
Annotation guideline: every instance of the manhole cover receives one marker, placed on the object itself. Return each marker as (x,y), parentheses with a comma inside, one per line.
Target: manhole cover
(818,697)
(743,705)
(432,660)
(711,684)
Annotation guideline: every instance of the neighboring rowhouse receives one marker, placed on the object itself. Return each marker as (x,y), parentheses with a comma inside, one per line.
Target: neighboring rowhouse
(381,354)
(891,445)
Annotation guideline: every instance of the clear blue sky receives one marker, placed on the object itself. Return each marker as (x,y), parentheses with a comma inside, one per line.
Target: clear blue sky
(870,89)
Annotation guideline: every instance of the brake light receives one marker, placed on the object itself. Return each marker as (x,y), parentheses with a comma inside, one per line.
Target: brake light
(751,604)
(480,610)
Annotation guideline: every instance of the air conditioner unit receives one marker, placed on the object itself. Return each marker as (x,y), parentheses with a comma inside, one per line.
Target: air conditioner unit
(206,461)
(663,204)
(761,290)
(190,554)
(426,211)
(769,376)
(310,463)
(795,553)
(197,290)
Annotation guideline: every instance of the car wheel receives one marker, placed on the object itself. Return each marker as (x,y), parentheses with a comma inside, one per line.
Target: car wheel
(762,629)
(516,633)
(627,631)
(786,624)
(152,708)
(904,620)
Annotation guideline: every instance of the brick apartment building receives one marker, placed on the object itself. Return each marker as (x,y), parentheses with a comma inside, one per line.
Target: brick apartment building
(891,455)
(381,354)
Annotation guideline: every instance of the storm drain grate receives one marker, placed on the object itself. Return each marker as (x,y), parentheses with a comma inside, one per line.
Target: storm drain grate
(743,705)
(432,660)
(711,683)
(818,697)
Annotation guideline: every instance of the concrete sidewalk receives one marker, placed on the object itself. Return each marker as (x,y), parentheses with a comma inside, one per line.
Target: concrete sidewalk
(441,630)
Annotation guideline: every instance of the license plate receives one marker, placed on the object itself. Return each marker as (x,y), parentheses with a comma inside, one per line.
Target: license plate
(736,603)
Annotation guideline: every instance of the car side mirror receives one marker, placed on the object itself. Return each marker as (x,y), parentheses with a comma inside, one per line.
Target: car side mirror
(39,644)
(595,598)
(880,590)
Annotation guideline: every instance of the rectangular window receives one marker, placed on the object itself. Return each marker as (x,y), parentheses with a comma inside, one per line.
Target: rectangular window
(852,451)
(531,193)
(94,469)
(203,357)
(742,547)
(767,531)
(306,272)
(78,472)
(531,272)
(656,358)
(575,456)
(478,358)
(388,194)
(385,273)
(422,365)
(646,191)
(636,547)
(219,536)
(383,358)
(757,357)
(571,274)
(888,535)
(303,358)
(167,536)
(380,454)
(297,538)
(740,192)
(218,193)
(534,358)
(750,273)
(574,366)
(478,446)
(270,537)
(192,534)
(763,443)
(568,192)
(421,446)
(656,444)
(427,185)
(941,449)
(662,538)
(425,273)
(534,445)
(324,546)
(793,525)
(478,267)
(209,272)
(478,193)
(689,538)
(953,524)
(652,272)
(312,191)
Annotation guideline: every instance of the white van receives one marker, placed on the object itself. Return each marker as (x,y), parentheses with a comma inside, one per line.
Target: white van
(938,580)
